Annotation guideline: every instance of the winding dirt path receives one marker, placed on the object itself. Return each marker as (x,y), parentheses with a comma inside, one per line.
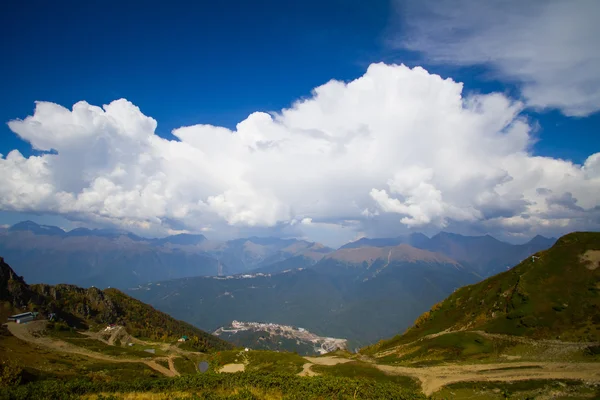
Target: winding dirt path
(172,366)
(25,333)
(306,368)
(327,360)
(498,336)
(307,371)
(434,378)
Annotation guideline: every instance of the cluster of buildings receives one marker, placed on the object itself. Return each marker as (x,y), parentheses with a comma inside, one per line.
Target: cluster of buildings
(321,344)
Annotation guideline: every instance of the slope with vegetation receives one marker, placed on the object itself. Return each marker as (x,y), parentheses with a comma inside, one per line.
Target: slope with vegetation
(553,296)
(507,337)
(94,309)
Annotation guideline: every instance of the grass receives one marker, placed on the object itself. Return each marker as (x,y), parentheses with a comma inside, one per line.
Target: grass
(457,346)
(40,364)
(269,361)
(362,370)
(164,363)
(100,347)
(528,389)
(552,297)
(212,386)
(184,366)
(78,339)
(227,357)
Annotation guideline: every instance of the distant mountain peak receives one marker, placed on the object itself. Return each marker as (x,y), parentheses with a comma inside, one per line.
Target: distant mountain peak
(182,239)
(400,252)
(36,228)
(541,239)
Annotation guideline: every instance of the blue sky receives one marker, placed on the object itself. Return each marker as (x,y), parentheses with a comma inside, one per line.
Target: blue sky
(184,63)
(214,62)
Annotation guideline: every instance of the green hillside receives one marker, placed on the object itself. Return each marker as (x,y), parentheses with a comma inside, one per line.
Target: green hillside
(93,309)
(554,294)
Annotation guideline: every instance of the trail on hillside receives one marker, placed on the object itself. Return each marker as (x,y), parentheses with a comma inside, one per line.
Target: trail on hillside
(307,371)
(306,368)
(327,360)
(172,366)
(231,368)
(434,378)
(25,333)
(498,336)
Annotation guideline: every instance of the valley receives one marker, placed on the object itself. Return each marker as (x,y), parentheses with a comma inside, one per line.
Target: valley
(503,337)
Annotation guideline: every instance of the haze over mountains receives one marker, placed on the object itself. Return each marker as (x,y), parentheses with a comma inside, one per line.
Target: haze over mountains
(359,293)
(364,291)
(116,258)
(106,257)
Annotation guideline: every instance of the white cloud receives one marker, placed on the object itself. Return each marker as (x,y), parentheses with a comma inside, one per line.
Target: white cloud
(549,47)
(396,143)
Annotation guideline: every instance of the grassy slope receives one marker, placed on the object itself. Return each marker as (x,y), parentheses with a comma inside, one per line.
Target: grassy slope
(94,308)
(362,370)
(142,320)
(555,296)
(39,364)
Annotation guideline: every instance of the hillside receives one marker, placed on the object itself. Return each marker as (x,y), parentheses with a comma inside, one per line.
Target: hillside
(94,308)
(361,297)
(552,295)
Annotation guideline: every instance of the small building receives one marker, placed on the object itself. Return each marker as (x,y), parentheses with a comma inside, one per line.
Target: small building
(22,318)
(183,339)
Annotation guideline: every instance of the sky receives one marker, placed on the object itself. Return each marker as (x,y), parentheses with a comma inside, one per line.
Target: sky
(328,120)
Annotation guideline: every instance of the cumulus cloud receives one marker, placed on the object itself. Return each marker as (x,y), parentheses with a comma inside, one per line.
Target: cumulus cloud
(396,143)
(548,47)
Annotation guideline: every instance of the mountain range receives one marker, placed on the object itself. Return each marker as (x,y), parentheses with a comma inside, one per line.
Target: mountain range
(358,294)
(104,257)
(364,291)
(116,258)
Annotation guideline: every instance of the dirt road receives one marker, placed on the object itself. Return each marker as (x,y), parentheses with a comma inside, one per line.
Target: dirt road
(497,336)
(434,378)
(327,360)
(230,368)
(306,368)
(172,367)
(26,333)
(306,371)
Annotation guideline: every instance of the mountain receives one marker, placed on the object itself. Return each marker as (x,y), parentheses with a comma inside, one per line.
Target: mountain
(181,239)
(86,308)
(414,239)
(100,258)
(116,258)
(553,294)
(30,226)
(484,255)
(256,254)
(298,255)
(357,294)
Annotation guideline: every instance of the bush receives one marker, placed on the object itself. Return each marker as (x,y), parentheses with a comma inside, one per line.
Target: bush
(239,386)
(10,374)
